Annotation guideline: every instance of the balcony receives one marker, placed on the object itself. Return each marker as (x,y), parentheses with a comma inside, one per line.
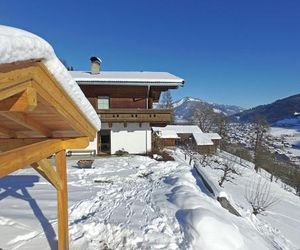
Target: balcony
(135,115)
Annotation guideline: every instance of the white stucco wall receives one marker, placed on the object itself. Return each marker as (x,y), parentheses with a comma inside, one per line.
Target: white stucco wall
(92,145)
(132,138)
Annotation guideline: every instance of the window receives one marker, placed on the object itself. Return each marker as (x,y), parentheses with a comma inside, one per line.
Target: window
(103,102)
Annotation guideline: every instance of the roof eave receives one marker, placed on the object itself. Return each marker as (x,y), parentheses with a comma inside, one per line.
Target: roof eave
(132,83)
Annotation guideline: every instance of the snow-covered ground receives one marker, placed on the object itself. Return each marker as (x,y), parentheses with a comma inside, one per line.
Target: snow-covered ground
(135,202)
(291,135)
(281,222)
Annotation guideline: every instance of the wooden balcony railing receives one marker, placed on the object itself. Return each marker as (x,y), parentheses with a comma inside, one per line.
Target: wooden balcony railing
(135,115)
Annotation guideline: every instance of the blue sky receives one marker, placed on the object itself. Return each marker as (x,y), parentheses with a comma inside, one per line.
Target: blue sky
(232,52)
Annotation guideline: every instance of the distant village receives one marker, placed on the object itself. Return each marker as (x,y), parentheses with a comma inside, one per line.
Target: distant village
(279,145)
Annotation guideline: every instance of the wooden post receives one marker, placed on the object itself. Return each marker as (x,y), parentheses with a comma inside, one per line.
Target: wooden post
(62,202)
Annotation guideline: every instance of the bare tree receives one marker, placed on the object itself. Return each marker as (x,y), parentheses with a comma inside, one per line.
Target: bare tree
(267,161)
(157,145)
(260,128)
(204,117)
(189,149)
(167,103)
(258,194)
(167,100)
(221,127)
(295,180)
(228,171)
(243,154)
(205,160)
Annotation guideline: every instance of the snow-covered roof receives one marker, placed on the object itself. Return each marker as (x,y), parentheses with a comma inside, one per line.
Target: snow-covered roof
(20,45)
(136,78)
(168,134)
(183,129)
(214,136)
(202,139)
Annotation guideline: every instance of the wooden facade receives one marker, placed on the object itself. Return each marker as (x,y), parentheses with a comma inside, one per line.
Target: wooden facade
(123,97)
(168,142)
(126,111)
(128,103)
(38,120)
(201,149)
(206,149)
(119,96)
(136,115)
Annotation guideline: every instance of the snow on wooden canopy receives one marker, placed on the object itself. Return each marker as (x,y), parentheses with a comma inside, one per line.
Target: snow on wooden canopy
(18,45)
(42,113)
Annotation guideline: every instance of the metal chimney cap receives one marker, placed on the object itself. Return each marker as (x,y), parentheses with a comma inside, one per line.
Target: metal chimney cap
(96,59)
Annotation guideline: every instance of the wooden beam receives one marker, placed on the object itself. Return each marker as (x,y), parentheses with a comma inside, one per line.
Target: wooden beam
(47,171)
(8,67)
(62,202)
(75,143)
(37,74)
(26,101)
(15,159)
(12,143)
(16,73)
(61,102)
(11,91)
(25,121)
(6,132)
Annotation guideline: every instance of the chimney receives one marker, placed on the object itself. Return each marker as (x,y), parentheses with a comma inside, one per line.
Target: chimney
(95,65)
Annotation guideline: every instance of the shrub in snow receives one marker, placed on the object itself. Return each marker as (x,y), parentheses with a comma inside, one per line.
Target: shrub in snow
(166,157)
(228,171)
(161,156)
(157,145)
(156,157)
(205,160)
(121,152)
(259,196)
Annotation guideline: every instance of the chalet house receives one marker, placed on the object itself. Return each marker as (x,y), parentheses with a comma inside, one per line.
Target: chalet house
(204,143)
(124,101)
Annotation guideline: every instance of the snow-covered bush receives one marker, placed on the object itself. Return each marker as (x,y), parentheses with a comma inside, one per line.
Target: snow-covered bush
(228,171)
(258,194)
(121,152)
(205,160)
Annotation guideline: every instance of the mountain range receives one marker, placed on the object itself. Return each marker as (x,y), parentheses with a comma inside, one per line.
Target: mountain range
(279,112)
(282,109)
(184,108)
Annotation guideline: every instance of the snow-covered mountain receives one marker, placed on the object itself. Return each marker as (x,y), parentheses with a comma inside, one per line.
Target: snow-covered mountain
(185,107)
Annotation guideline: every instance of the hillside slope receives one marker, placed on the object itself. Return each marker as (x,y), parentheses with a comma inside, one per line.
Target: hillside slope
(273,112)
(131,202)
(280,223)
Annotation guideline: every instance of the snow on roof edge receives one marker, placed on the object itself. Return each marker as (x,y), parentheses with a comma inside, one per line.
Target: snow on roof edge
(202,139)
(131,77)
(21,45)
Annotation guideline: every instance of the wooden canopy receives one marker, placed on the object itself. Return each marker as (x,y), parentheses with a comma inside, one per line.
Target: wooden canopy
(37,120)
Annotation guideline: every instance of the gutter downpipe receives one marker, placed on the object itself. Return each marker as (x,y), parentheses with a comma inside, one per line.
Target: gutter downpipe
(147,107)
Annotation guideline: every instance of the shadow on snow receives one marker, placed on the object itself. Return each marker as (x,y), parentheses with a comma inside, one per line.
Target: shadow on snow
(10,185)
